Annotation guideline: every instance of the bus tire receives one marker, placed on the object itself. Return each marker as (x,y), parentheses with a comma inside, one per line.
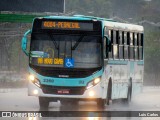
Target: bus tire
(109,91)
(129,94)
(43,102)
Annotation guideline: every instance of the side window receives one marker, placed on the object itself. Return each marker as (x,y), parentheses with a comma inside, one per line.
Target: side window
(115,44)
(125,45)
(140,46)
(120,43)
(131,47)
(135,46)
(114,37)
(110,36)
(128,38)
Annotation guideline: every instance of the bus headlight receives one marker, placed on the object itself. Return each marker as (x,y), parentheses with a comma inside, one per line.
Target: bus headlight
(97,80)
(31,77)
(36,82)
(90,84)
(93,83)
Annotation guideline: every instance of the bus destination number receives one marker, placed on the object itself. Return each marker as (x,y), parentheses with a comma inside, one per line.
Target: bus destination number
(48,80)
(60,25)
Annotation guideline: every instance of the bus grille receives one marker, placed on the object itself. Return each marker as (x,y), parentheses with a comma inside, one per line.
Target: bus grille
(54,90)
(71,74)
(57,72)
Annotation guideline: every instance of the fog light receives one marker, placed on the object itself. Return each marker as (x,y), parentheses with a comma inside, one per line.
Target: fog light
(91,93)
(35,92)
(31,77)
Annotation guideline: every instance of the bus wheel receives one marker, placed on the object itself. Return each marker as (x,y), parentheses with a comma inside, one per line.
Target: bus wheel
(43,102)
(128,99)
(101,103)
(129,95)
(109,92)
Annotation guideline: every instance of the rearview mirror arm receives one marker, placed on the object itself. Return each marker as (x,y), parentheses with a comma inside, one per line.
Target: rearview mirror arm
(24,42)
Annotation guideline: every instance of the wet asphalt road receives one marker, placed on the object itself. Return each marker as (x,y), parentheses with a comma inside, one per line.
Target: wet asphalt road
(18,100)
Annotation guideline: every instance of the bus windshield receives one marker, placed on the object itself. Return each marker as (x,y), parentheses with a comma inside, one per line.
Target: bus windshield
(53,50)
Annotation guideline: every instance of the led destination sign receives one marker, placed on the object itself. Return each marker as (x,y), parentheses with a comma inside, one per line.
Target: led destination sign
(67,25)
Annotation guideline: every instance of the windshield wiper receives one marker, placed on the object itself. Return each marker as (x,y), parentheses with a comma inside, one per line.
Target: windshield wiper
(54,41)
(77,43)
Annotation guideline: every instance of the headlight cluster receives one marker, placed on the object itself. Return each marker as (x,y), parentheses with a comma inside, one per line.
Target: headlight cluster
(93,83)
(34,80)
(31,77)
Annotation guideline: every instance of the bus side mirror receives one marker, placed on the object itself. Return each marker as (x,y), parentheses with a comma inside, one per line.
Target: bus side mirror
(24,42)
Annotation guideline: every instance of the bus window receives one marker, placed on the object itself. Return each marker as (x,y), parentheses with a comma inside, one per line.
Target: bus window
(140,46)
(128,38)
(115,51)
(131,39)
(125,46)
(125,51)
(138,39)
(121,39)
(125,38)
(135,46)
(117,37)
(114,37)
(106,32)
(141,39)
(115,44)
(110,36)
(131,47)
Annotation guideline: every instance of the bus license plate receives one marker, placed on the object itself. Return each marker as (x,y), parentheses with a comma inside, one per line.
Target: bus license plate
(64,91)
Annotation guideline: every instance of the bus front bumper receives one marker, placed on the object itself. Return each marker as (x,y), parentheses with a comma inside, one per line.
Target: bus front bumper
(94,92)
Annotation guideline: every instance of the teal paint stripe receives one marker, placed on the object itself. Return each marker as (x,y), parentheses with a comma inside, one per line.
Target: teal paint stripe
(132,66)
(65,81)
(140,63)
(123,62)
(117,62)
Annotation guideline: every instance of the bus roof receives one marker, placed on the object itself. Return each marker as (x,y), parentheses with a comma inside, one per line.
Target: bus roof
(77,17)
(123,26)
(111,24)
